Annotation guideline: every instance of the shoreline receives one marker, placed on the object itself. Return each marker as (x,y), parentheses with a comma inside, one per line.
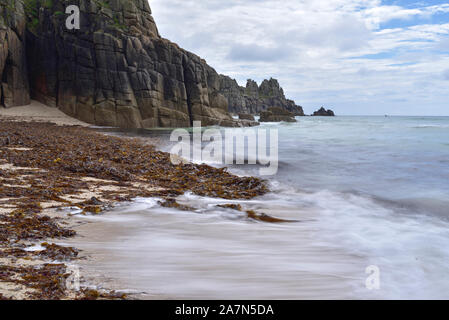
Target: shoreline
(107,247)
(50,161)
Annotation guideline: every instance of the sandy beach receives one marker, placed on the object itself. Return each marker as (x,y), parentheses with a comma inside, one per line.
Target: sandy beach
(38,112)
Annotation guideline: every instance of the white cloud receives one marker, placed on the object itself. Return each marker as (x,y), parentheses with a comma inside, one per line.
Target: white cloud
(446,74)
(376,15)
(318,49)
(443,44)
(381,14)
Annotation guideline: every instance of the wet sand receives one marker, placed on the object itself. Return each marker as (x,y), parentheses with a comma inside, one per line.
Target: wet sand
(214,253)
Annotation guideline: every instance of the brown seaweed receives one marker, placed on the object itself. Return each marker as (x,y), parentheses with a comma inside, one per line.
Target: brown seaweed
(172,203)
(52,162)
(266,218)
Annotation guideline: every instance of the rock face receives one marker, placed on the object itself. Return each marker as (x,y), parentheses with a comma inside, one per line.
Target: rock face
(245,116)
(14,88)
(247,120)
(276,114)
(322,112)
(114,71)
(253,99)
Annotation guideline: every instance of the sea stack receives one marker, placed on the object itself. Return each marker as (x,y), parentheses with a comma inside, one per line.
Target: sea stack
(322,112)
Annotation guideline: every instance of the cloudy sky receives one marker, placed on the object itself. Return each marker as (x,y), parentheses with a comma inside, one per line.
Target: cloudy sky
(356,56)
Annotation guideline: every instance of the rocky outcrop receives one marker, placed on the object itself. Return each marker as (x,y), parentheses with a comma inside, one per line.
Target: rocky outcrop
(245,116)
(247,120)
(115,70)
(322,112)
(14,88)
(276,114)
(253,99)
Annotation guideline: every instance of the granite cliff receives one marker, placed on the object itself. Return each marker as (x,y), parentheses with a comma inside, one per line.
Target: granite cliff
(116,70)
(14,88)
(253,98)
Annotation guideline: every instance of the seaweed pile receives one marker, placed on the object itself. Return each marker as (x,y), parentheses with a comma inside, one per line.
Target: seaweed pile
(68,153)
(43,166)
(47,282)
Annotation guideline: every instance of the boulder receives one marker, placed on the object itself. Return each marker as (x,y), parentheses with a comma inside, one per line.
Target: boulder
(248,123)
(276,114)
(245,116)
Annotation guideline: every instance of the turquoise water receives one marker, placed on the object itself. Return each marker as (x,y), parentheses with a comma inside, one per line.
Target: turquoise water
(368,191)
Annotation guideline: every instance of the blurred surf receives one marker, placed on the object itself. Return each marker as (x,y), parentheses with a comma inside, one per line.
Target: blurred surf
(366,191)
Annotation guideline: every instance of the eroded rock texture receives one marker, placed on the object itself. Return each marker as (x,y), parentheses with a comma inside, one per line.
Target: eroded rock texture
(276,114)
(117,71)
(14,89)
(253,99)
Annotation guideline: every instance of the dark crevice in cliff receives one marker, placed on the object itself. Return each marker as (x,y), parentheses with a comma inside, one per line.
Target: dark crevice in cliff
(4,79)
(189,106)
(32,63)
(2,96)
(2,93)
(188,85)
(57,78)
(4,82)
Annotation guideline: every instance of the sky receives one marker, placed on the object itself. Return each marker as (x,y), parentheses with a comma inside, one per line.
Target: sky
(357,57)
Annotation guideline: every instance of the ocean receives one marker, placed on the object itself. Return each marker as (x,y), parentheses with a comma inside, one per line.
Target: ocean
(369,193)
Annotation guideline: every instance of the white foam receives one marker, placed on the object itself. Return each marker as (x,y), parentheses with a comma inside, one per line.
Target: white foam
(423,126)
(34,248)
(411,251)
